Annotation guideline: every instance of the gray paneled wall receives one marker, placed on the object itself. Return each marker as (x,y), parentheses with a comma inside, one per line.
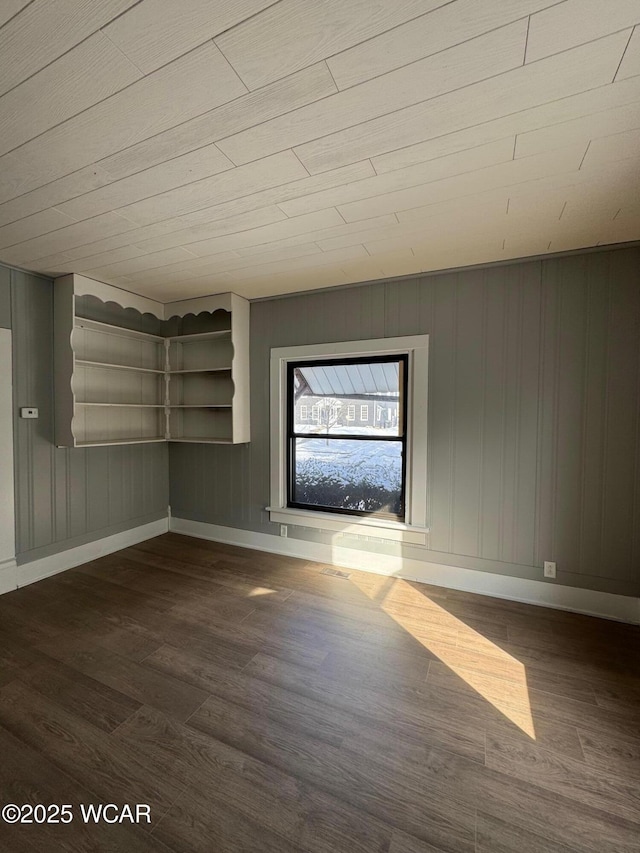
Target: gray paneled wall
(5,298)
(534,451)
(65,496)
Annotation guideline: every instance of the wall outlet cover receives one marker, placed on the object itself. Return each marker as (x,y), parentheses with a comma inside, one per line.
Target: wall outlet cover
(549,569)
(28,412)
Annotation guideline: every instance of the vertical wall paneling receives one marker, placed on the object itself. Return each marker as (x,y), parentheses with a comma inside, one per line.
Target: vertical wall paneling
(5,298)
(493,414)
(511,336)
(98,487)
(7,518)
(533,414)
(77,492)
(402,308)
(118,498)
(517,403)
(570,387)
(366,314)
(32,313)
(442,367)
(523,538)
(467,403)
(621,418)
(548,403)
(65,496)
(598,284)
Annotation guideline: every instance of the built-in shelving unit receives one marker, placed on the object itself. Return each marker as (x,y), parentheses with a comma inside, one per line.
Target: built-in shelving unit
(117,384)
(200,387)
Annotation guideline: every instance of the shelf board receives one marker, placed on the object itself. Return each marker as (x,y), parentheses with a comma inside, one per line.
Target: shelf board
(202,370)
(160,405)
(119,331)
(201,440)
(199,336)
(108,442)
(107,364)
(124,405)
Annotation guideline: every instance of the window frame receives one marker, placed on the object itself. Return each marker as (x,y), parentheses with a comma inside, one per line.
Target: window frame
(401,438)
(414,528)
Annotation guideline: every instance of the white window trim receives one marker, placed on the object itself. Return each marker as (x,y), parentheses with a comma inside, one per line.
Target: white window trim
(351,412)
(364,408)
(414,528)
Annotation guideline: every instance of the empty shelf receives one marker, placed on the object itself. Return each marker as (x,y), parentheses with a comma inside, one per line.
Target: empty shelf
(125,405)
(119,331)
(111,366)
(106,442)
(202,370)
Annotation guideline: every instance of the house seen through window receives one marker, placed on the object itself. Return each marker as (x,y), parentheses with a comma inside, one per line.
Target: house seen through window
(351,457)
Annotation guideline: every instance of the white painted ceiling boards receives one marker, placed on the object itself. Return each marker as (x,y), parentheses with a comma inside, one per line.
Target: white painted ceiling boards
(182,148)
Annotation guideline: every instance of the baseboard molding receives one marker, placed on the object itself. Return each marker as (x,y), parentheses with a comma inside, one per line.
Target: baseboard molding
(622,608)
(44,567)
(8,575)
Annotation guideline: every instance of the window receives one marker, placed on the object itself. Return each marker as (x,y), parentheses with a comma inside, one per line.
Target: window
(361,471)
(304,413)
(315,481)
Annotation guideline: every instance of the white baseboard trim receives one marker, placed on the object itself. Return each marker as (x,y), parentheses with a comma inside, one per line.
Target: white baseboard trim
(8,575)
(46,566)
(622,608)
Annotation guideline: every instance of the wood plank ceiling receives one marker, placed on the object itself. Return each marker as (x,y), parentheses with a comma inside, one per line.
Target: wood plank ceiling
(178,149)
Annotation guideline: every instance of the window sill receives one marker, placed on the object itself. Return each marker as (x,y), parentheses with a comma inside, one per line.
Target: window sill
(351,525)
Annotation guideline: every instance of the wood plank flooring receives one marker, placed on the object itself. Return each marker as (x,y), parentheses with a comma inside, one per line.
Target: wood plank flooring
(259,705)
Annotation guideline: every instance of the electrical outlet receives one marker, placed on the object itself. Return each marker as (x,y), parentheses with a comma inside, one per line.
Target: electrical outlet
(549,569)
(28,412)
(283,530)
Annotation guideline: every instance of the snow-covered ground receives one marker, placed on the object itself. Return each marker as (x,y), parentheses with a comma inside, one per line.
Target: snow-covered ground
(315,429)
(378,463)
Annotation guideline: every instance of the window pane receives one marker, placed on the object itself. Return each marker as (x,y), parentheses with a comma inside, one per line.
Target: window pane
(365,476)
(350,398)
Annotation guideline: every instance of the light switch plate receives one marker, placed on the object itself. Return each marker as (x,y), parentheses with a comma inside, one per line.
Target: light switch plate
(28,412)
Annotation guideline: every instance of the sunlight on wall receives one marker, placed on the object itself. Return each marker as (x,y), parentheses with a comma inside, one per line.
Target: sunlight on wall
(479,662)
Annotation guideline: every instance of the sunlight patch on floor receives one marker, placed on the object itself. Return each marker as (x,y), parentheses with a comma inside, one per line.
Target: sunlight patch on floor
(494,674)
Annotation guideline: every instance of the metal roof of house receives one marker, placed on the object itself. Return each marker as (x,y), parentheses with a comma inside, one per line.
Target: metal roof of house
(348,379)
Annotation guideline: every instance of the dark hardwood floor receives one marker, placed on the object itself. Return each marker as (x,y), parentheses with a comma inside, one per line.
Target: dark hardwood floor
(259,705)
